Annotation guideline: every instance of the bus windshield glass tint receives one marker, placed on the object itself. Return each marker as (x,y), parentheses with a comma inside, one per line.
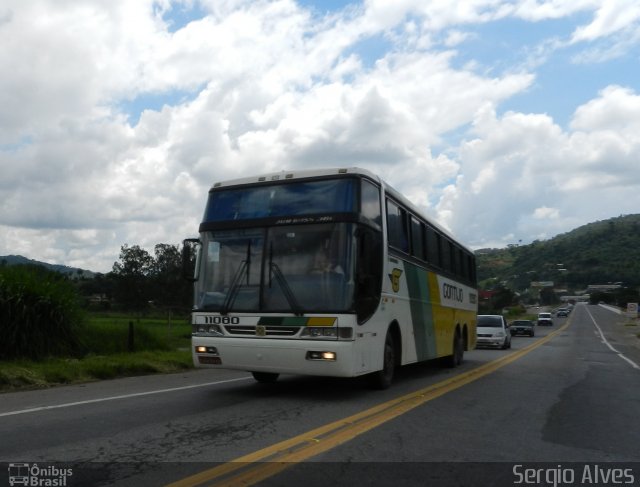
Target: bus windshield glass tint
(297,268)
(282,199)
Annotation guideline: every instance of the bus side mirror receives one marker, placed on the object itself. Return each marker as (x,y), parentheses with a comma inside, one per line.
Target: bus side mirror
(191,249)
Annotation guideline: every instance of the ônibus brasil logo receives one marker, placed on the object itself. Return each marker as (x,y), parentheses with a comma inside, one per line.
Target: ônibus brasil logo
(33,475)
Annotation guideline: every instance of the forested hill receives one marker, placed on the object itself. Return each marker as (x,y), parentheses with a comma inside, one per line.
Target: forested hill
(20,260)
(597,253)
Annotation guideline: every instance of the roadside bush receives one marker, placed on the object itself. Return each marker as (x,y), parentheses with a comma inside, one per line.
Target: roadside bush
(39,314)
(514,311)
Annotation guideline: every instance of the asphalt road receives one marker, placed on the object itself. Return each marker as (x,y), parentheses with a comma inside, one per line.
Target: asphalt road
(565,400)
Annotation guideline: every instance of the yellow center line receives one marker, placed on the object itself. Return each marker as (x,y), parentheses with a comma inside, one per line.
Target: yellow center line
(254,467)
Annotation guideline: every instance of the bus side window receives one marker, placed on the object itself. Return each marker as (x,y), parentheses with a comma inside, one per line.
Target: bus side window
(472,269)
(397,230)
(465,272)
(457,261)
(445,253)
(417,238)
(433,247)
(370,203)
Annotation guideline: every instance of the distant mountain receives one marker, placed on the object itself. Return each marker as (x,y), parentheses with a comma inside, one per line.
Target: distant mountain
(74,272)
(602,252)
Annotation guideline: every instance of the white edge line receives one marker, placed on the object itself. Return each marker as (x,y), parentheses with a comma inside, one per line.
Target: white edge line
(113,398)
(606,342)
(611,308)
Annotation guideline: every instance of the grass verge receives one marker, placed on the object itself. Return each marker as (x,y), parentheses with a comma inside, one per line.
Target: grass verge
(159,345)
(28,374)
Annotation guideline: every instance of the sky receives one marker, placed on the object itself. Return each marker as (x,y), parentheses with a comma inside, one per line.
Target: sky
(505,121)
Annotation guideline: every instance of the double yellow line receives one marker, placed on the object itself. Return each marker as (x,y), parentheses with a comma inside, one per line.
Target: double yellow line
(251,469)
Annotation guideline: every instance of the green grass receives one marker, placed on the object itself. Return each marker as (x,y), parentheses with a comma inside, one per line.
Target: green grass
(109,333)
(29,374)
(160,346)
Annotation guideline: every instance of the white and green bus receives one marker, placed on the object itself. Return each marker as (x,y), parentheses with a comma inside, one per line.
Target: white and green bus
(329,272)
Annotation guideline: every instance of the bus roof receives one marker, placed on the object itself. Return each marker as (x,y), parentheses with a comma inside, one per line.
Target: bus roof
(295,174)
(313,173)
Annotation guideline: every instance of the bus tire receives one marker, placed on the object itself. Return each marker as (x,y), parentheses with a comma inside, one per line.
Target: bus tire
(457,356)
(265,377)
(383,378)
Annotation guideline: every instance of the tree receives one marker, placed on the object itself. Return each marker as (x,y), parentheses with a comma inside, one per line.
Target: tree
(140,279)
(501,298)
(132,276)
(170,290)
(99,285)
(548,296)
(625,296)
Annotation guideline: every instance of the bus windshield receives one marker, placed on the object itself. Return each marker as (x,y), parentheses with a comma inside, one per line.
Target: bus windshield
(283,199)
(294,269)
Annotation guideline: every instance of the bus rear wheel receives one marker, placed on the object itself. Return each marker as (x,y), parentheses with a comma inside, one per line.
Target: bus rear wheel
(383,378)
(457,356)
(265,377)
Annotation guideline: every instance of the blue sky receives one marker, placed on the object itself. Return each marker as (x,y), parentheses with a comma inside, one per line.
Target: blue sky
(504,121)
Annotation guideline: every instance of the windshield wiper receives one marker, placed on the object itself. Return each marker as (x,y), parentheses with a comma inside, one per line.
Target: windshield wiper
(236,282)
(284,285)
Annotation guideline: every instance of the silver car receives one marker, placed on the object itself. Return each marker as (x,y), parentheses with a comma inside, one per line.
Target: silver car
(492,331)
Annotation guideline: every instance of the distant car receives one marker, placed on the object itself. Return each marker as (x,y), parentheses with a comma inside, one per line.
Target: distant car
(562,312)
(522,327)
(545,319)
(492,331)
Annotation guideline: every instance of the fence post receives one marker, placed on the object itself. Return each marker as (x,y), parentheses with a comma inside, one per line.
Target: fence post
(130,343)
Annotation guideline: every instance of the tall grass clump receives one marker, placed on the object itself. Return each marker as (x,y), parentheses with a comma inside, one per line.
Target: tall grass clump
(39,314)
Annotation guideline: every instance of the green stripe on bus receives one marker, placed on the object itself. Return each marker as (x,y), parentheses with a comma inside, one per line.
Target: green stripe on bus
(421,311)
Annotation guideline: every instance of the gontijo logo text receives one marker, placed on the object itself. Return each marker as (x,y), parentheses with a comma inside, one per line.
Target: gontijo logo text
(455,293)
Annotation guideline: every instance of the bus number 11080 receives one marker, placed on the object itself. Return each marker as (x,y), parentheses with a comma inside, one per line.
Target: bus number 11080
(221,320)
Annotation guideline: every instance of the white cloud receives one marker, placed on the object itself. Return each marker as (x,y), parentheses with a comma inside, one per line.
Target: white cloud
(526,177)
(456,37)
(546,213)
(616,110)
(611,17)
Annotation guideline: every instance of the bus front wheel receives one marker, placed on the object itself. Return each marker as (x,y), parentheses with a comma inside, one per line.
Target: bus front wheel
(265,377)
(383,378)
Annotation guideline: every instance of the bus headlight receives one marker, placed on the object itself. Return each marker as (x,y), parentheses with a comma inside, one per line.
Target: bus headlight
(203,349)
(320,332)
(318,355)
(327,333)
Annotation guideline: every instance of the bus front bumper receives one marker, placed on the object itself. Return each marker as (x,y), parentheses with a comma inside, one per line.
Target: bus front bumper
(303,357)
